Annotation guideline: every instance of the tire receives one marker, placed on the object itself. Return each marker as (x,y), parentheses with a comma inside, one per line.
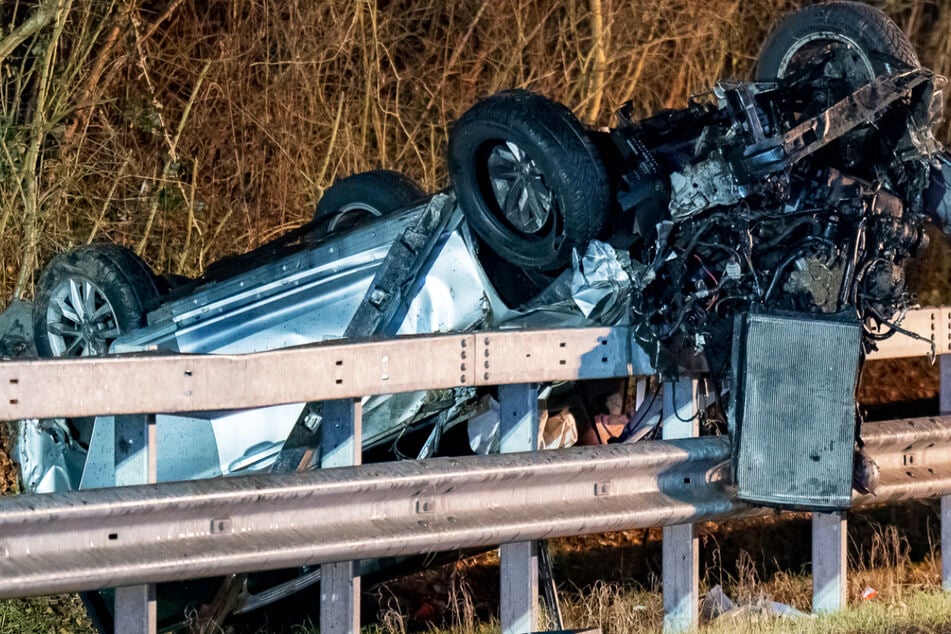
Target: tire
(528,179)
(355,199)
(862,37)
(106,280)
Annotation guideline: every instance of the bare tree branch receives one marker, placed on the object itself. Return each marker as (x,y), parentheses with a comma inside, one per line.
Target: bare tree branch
(40,18)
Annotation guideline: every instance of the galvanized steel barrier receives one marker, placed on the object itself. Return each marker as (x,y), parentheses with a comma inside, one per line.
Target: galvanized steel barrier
(147,534)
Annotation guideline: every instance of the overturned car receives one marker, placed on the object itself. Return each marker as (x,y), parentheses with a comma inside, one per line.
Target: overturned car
(756,237)
(793,199)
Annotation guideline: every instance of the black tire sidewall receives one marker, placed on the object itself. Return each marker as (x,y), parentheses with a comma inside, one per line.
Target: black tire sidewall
(520,249)
(556,142)
(868,27)
(123,278)
(384,191)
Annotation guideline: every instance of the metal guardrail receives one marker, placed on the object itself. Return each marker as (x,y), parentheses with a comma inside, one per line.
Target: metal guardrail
(181,530)
(931,324)
(117,537)
(166,383)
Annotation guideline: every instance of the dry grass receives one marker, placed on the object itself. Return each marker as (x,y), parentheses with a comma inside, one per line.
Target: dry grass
(614,608)
(923,613)
(892,549)
(9,482)
(190,130)
(908,600)
(63,614)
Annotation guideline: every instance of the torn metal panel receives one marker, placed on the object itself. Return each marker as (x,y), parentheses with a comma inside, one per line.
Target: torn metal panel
(50,460)
(388,297)
(594,291)
(313,295)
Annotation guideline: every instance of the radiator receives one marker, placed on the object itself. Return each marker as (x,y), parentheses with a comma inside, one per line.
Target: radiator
(793,422)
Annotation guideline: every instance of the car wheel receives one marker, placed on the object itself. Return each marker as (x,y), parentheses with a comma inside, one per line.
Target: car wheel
(857,40)
(88,297)
(357,198)
(528,179)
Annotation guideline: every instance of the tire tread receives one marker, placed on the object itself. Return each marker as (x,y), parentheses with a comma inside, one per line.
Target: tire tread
(873,27)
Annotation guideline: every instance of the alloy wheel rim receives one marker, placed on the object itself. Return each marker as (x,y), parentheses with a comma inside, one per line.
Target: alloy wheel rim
(519,188)
(80,320)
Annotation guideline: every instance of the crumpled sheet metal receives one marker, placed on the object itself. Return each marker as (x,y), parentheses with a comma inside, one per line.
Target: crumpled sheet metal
(43,450)
(594,291)
(600,283)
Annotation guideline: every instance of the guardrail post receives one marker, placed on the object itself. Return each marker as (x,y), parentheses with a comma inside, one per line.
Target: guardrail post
(829,560)
(944,405)
(946,543)
(340,446)
(680,548)
(135,609)
(518,426)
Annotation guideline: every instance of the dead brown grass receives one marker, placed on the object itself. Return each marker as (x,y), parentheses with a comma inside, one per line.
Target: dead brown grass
(755,561)
(9,481)
(612,580)
(190,129)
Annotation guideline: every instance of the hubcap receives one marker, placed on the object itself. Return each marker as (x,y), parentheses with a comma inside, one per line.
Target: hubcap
(80,321)
(519,188)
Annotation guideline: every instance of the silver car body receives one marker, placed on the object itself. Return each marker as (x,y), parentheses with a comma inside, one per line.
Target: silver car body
(308,296)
